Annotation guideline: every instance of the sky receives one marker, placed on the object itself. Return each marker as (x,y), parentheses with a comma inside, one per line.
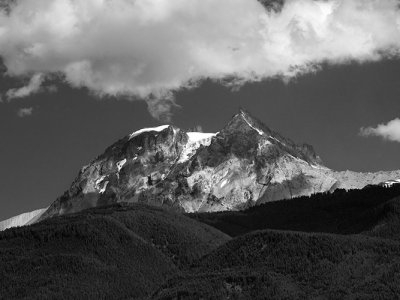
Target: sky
(79,75)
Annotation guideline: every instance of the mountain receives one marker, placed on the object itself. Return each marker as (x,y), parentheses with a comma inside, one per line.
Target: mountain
(22,219)
(242,165)
(115,252)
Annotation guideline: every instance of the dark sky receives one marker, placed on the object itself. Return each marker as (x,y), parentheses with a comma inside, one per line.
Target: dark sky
(41,154)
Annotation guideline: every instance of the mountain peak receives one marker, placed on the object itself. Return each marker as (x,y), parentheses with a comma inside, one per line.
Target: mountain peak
(243,121)
(243,111)
(245,114)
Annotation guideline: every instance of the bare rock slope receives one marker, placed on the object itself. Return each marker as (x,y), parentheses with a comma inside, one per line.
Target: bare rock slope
(22,219)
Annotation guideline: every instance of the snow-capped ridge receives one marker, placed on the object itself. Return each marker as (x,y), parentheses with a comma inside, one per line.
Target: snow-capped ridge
(140,131)
(195,140)
(199,136)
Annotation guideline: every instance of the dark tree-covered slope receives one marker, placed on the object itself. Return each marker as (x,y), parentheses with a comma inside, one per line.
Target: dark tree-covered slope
(341,212)
(292,265)
(361,262)
(135,251)
(121,251)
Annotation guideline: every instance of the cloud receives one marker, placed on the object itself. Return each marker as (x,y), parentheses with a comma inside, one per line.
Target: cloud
(32,87)
(160,107)
(25,112)
(52,88)
(389,131)
(148,49)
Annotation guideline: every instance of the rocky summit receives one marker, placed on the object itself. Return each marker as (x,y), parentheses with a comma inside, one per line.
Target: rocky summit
(243,165)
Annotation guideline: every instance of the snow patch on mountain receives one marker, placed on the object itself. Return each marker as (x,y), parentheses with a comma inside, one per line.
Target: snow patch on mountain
(101,185)
(140,131)
(224,182)
(390,183)
(120,164)
(199,136)
(196,139)
(99,180)
(103,188)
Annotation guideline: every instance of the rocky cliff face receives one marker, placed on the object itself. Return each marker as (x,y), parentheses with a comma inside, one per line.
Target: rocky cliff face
(244,164)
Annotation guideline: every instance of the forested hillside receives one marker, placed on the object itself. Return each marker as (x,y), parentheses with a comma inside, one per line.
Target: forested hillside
(113,252)
(341,212)
(292,265)
(332,246)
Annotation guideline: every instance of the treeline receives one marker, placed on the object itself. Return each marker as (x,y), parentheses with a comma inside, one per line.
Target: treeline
(341,212)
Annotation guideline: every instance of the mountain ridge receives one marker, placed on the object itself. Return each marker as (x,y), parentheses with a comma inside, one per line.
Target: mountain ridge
(223,171)
(244,164)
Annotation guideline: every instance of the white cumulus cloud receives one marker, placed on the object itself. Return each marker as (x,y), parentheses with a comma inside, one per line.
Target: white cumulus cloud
(25,112)
(32,87)
(389,131)
(149,48)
